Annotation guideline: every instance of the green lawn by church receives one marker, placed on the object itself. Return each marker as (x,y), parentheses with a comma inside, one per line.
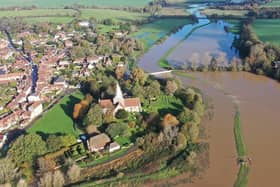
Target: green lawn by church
(58,119)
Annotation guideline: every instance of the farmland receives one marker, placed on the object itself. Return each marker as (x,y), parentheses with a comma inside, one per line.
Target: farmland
(58,119)
(150,33)
(235,13)
(274,3)
(63,3)
(115,15)
(268,30)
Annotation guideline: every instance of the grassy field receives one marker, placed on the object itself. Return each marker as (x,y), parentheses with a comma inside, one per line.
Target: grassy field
(57,20)
(115,15)
(236,13)
(37,12)
(242,177)
(268,30)
(239,140)
(150,33)
(165,104)
(58,119)
(273,4)
(62,3)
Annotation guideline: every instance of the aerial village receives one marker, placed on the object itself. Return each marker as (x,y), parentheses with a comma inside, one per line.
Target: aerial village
(28,88)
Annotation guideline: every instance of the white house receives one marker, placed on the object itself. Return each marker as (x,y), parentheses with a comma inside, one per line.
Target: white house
(114,147)
(84,23)
(36,109)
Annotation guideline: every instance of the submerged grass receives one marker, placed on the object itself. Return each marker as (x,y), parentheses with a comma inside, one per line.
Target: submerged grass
(239,140)
(243,174)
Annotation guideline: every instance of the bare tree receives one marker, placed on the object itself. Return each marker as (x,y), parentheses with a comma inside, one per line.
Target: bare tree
(58,179)
(74,173)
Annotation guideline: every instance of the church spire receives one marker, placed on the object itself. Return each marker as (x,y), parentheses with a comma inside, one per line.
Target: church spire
(119,96)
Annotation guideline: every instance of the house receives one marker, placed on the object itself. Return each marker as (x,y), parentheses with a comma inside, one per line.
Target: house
(114,146)
(60,82)
(84,24)
(119,102)
(36,109)
(3,139)
(98,142)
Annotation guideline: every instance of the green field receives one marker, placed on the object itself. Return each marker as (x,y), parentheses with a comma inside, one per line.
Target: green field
(268,30)
(37,12)
(219,12)
(62,3)
(150,33)
(58,119)
(115,15)
(57,20)
(235,25)
(165,104)
(273,4)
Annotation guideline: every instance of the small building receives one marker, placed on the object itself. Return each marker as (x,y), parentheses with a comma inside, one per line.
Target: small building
(36,109)
(114,147)
(98,142)
(84,24)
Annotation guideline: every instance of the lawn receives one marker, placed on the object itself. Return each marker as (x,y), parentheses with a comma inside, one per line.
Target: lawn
(63,3)
(58,119)
(150,33)
(115,15)
(268,30)
(165,104)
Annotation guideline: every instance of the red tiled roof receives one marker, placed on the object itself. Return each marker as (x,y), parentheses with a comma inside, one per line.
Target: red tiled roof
(130,102)
(106,103)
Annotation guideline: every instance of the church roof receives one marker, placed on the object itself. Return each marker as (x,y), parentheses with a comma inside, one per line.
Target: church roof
(130,102)
(106,103)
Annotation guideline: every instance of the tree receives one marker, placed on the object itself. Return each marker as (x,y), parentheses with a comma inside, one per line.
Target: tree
(153,90)
(171,87)
(213,66)
(185,116)
(138,75)
(22,183)
(68,140)
(58,179)
(53,143)
(194,132)
(119,72)
(181,141)
(46,180)
(74,173)
(94,116)
(26,147)
(76,111)
(122,114)
(169,120)
(118,129)
(7,170)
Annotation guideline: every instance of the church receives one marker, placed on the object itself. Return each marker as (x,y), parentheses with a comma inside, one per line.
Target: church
(119,102)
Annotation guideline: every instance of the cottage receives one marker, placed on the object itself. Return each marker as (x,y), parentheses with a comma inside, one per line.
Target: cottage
(98,143)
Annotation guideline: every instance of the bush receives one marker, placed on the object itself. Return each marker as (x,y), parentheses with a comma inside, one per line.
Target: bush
(122,114)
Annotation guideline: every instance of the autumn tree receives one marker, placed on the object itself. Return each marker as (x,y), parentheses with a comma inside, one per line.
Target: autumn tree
(58,179)
(169,120)
(119,72)
(74,173)
(138,75)
(7,170)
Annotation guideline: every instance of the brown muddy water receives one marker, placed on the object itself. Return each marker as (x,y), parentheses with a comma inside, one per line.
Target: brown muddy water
(258,100)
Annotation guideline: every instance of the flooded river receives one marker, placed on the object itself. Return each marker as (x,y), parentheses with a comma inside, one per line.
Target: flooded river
(257,98)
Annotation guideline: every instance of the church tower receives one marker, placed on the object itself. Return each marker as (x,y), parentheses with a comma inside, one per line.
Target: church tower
(119,96)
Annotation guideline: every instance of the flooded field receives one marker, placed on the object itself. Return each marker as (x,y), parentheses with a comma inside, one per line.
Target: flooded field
(205,43)
(258,100)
